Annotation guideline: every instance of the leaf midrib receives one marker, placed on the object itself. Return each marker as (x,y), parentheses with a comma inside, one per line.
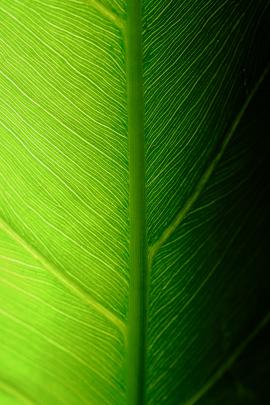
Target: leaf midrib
(139,275)
(137,308)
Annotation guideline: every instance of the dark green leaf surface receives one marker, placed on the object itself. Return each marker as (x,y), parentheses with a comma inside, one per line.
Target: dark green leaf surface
(206,275)
(133,250)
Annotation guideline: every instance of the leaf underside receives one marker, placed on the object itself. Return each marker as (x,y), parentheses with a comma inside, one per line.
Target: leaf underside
(66,226)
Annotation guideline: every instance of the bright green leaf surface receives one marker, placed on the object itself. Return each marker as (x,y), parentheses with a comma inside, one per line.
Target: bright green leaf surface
(133,251)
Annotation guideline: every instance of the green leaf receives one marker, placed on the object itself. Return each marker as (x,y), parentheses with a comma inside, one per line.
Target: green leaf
(134,217)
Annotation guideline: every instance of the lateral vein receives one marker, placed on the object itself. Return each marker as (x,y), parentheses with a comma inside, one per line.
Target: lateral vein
(206,175)
(65,280)
(15,392)
(231,360)
(107,13)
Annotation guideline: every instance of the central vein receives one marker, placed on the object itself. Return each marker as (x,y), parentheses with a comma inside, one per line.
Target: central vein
(138,262)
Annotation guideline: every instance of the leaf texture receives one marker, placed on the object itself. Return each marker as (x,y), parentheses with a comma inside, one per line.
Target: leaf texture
(133,201)
(202,299)
(64,202)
